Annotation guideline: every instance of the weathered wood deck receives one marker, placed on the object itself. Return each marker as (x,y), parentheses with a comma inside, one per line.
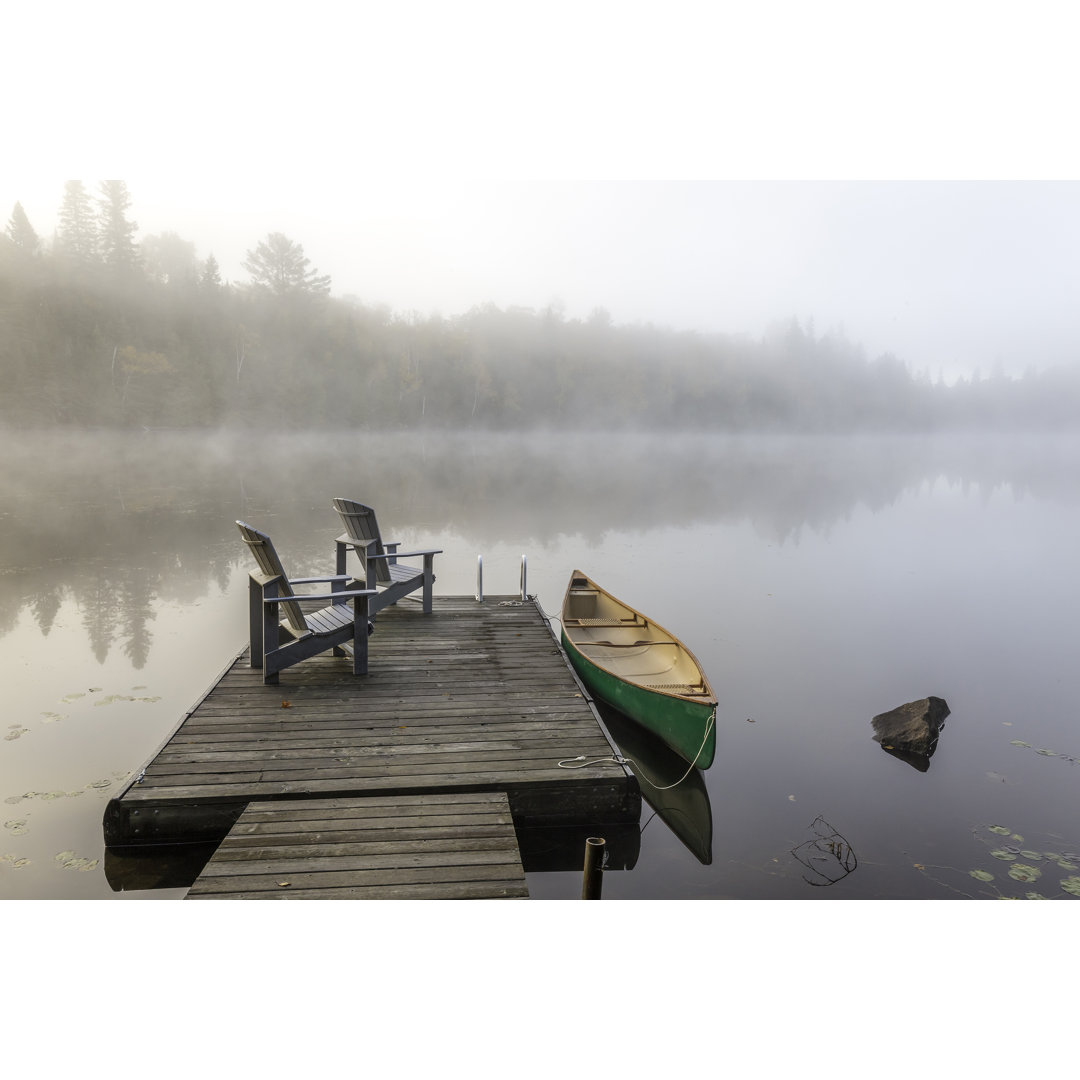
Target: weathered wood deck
(382,847)
(473,697)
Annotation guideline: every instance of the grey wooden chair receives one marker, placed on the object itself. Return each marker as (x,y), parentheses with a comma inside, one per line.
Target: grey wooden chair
(281,634)
(392,579)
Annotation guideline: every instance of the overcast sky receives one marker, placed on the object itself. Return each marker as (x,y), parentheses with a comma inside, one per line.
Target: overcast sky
(879,168)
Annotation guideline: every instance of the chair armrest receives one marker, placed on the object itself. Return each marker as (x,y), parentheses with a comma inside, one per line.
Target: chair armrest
(406,554)
(353,541)
(343,595)
(313,580)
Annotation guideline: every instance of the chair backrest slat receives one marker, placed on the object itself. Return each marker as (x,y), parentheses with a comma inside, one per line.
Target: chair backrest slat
(262,548)
(360,524)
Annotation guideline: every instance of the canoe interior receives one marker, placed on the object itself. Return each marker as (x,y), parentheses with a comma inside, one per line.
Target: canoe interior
(629,646)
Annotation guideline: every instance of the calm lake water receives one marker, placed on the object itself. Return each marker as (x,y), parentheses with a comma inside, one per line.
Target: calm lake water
(820,581)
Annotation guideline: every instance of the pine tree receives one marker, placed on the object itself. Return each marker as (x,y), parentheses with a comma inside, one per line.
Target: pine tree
(21,232)
(117,234)
(77,235)
(210,281)
(279,265)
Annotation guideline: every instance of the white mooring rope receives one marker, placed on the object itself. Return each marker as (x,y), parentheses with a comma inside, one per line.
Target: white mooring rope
(620,760)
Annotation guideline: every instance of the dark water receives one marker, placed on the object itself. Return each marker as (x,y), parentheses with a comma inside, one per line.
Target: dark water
(819,581)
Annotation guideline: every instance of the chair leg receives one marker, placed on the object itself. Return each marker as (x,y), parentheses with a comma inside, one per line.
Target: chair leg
(255,622)
(360,635)
(271,665)
(271,635)
(337,586)
(429,581)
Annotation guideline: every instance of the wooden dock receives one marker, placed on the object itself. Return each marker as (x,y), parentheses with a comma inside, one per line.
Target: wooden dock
(396,847)
(475,697)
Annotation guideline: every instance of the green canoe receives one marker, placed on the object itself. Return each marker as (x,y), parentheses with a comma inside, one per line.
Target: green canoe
(639,668)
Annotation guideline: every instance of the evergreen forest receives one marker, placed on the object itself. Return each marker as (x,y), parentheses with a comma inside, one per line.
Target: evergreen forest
(102,329)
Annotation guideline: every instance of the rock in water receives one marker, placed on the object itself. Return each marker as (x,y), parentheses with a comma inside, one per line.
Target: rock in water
(913,727)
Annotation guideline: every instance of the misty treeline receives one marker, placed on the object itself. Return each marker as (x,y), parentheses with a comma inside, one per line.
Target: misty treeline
(101,329)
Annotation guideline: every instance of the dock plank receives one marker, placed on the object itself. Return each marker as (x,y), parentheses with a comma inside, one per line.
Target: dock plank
(456,846)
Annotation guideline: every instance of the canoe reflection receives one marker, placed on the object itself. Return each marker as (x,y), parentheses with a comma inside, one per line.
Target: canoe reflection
(685,808)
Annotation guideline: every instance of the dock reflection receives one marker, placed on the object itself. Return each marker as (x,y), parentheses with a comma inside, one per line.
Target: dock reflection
(561,849)
(167,866)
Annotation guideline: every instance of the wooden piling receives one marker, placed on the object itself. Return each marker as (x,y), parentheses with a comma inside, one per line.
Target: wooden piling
(593,881)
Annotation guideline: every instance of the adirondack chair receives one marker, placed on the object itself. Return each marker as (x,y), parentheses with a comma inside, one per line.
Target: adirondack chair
(392,579)
(281,634)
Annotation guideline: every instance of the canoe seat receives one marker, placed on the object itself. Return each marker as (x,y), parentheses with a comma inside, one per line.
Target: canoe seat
(604,622)
(624,644)
(677,688)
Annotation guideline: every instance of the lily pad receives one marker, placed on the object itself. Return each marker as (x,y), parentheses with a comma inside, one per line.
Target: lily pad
(981,875)
(1019,742)
(70,861)
(1034,856)
(1071,885)
(1047,753)
(1023,872)
(1000,830)
(1034,896)
(1004,856)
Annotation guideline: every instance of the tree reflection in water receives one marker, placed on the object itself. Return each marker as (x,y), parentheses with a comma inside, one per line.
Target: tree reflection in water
(117,523)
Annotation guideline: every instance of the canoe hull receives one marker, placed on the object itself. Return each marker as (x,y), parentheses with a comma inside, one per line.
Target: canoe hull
(684,721)
(680,724)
